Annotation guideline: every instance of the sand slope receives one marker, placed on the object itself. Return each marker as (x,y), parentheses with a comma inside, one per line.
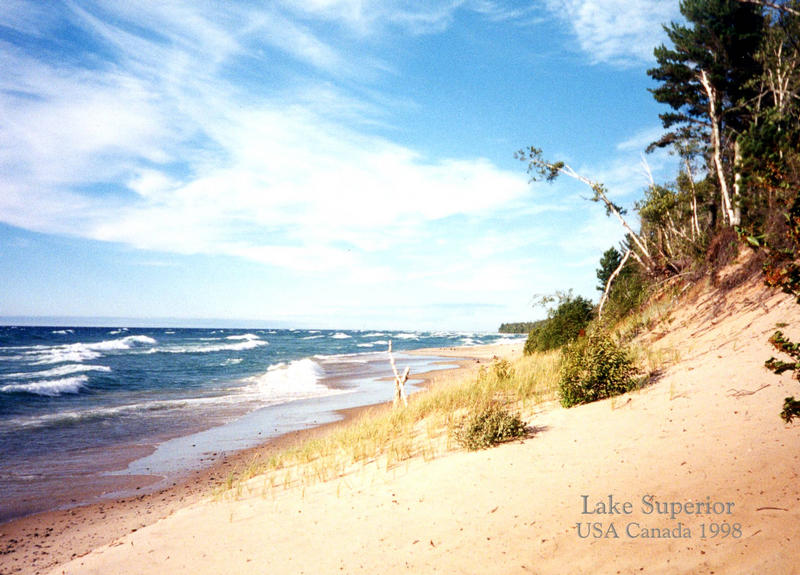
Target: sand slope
(696,434)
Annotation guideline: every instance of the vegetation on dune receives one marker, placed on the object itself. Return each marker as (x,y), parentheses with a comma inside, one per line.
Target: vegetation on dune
(564,323)
(486,428)
(595,367)
(731,80)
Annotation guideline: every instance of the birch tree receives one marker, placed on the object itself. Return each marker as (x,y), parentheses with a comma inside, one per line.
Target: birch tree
(706,78)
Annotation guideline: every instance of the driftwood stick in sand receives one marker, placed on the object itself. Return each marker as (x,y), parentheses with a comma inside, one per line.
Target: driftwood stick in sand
(399,382)
(737,393)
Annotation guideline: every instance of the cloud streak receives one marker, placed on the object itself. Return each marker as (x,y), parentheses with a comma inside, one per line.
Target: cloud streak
(618,32)
(154,146)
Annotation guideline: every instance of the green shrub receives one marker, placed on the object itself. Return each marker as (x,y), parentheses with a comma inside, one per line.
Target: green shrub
(593,368)
(488,427)
(563,324)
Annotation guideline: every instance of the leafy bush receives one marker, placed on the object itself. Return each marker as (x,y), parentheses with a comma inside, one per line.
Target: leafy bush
(594,368)
(564,324)
(488,427)
(791,407)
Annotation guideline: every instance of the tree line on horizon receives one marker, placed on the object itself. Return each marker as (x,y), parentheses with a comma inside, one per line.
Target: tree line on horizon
(730,78)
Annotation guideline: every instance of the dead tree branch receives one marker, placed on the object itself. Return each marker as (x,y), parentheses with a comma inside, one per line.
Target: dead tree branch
(399,382)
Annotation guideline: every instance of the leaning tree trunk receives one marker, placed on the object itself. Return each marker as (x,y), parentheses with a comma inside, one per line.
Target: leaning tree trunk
(716,145)
(609,282)
(695,221)
(600,193)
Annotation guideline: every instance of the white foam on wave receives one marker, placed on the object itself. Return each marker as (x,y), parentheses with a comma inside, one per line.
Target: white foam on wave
(80,352)
(406,336)
(246,336)
(48,387)
(242,345)
(110,412)
(298,379)
(504,340)
(68,369)
(340,335)
(118,331)
(314,337)
(375,334)
(232,361)
(62,331)
(361,357)
(366,345)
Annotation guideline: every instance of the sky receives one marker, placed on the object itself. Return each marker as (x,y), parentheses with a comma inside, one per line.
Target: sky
(343,164)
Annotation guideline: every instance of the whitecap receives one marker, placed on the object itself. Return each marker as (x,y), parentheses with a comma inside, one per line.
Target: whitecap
(68,369)
(239,346)
(48,387)
(340,335)
(298,379)
(406,336)
(80,352)
(247,336)
(314,337)
(62,331)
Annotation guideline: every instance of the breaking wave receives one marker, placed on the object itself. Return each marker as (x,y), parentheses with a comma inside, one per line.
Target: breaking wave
(48,387)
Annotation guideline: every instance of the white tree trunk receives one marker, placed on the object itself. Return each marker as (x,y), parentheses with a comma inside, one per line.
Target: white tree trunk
(716,145)
(399,382)
(695,222)
(598,189)
(608,283)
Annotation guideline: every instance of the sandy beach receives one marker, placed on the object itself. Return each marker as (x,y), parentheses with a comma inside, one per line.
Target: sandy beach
(695,473)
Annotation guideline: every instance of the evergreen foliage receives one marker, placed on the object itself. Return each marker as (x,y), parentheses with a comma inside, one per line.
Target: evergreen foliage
(629,289)
(608,263)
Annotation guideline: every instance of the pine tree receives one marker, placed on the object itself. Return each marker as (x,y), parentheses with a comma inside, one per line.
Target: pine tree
(706,77)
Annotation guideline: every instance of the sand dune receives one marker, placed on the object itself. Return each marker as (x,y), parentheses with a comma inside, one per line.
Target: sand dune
(706,431)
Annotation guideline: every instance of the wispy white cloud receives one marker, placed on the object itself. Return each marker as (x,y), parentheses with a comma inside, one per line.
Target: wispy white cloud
(618,32)
(153,146)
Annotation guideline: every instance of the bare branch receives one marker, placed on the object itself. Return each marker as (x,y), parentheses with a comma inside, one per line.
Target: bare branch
(773,5)
(550,171)
(399,382)
(610,280)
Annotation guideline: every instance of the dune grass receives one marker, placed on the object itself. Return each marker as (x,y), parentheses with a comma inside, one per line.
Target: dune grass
(387,437)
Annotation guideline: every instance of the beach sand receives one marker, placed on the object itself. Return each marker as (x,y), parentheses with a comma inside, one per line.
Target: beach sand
(706,430)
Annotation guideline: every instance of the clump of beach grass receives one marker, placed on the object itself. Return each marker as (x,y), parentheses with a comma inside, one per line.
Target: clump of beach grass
(426,428)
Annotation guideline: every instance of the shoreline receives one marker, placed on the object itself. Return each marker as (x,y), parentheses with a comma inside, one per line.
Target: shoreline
(37,542)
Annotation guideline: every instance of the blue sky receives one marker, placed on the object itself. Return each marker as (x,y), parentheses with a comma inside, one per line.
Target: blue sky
(326,163)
